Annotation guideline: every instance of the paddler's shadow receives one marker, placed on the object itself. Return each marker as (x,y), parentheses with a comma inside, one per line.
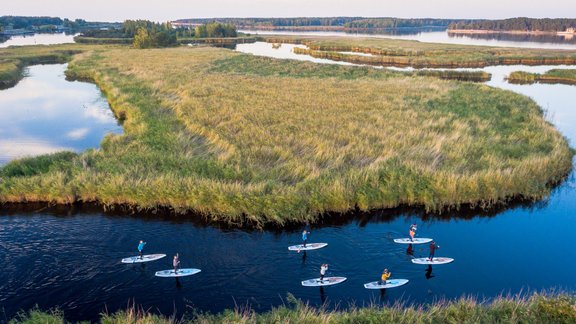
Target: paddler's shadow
(382,294)
(322,295)
(303,257)
(178,283)
(410,250)
(429,272)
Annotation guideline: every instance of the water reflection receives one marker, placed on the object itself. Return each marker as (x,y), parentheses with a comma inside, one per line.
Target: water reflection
(44,113)
(441,37)
(37,39)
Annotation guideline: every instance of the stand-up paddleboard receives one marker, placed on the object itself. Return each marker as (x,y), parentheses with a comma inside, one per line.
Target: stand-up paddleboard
(145,258)
(434,261)
(308,247)
(389,284)
(419,240)
(327,281)
(180,273)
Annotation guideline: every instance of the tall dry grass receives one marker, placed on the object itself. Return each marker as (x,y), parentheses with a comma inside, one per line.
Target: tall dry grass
(397,52)
(241,138)
(536,308)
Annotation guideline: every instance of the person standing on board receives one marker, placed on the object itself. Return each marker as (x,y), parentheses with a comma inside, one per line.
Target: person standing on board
(433,248)
(141,247)
(412,232)
(323,269)
(305,237)
(176,263)
(385,275)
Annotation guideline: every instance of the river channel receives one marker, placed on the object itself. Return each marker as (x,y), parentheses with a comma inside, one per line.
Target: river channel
(69,257)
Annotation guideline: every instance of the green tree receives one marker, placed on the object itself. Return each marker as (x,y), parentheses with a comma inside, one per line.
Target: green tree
(142,38)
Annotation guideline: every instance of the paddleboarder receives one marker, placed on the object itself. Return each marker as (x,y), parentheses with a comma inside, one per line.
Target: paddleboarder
(141,247)
(385,275)
(176,263)
(412,232)
(305,237)
(433,248)
(323,269)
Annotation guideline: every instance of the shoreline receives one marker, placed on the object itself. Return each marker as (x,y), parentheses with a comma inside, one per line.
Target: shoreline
(525,308)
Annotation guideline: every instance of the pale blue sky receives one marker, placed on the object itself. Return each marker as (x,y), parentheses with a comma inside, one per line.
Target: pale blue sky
(119,10)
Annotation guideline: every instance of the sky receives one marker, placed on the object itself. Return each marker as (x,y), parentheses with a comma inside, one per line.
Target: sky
(167,10)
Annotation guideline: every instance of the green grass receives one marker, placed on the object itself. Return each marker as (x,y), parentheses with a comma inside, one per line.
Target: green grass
(403,53)
(240,138)
(534,309)
(562,76)
(13,61)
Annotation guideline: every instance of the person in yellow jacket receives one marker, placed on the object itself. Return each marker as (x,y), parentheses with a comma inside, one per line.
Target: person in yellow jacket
(385,275)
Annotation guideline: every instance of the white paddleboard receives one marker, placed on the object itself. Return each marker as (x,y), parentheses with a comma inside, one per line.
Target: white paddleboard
(434,261)
(417,240)
(327,281)
(309,246)
(180,273)
(145,258)
(389,284)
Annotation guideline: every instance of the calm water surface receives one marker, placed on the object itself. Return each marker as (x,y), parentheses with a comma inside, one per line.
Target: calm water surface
(71,258)
(38,39)
(442,37)
(44,113)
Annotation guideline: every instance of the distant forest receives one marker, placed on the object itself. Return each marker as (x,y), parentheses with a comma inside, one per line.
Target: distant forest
(344,22)
(21,22)
(523,24)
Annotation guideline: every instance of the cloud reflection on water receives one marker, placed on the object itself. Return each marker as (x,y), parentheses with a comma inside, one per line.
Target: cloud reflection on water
(44,113)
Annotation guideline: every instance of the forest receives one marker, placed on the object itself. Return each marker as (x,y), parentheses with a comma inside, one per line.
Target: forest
(517,24)
(345,22)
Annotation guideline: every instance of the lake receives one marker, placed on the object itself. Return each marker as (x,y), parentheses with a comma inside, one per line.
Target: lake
(69,257)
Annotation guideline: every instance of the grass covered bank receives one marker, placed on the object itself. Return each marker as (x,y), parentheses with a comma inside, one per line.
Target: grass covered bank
(242,138)
(404,53)
(534,309)
(14,60)
(553,76)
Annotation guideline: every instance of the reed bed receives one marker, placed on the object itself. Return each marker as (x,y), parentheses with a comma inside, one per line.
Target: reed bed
(407,53)
(537,308)
(554,76)
(245,139)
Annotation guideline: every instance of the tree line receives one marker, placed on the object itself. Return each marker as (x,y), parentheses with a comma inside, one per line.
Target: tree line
(148,34)
(518,24)
(20,22)
(347,22)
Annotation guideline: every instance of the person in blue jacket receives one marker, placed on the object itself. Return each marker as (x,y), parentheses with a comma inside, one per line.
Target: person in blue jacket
(141,247)
(304,237)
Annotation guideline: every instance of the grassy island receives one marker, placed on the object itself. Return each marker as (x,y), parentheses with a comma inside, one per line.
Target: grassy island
(553,76)
(403,53)
(241,138)
(534,309)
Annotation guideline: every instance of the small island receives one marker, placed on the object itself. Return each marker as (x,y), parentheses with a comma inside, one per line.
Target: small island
(554,76)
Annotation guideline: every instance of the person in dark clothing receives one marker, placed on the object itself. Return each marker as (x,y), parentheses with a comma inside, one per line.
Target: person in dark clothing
(433,248)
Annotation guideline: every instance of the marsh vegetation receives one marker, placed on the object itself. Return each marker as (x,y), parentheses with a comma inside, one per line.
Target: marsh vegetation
(561,76)
(404,53)
(534,309)
(242,138)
